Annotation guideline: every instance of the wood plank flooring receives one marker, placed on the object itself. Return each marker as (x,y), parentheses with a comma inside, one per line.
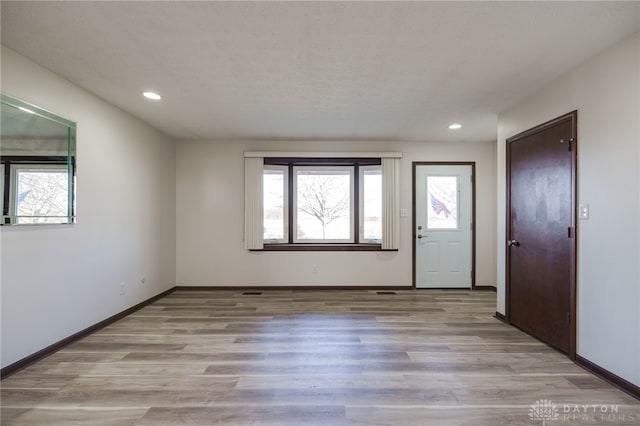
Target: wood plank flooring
(310,358)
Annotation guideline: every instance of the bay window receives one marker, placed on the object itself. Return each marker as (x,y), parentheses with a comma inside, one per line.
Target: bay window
(320,203)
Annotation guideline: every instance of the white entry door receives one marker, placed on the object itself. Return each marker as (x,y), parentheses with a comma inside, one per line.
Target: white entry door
(443,234)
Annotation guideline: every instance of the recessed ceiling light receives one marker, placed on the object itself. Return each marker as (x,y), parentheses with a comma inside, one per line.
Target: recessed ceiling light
(455,126)
(152,95)
(26,110)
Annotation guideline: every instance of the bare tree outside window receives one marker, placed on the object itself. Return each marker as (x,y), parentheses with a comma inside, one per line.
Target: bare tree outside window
(324,196)
(333,201)
(42,196)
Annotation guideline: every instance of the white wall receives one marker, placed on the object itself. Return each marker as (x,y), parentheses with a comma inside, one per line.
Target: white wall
(57,280)
(606,92)
(210,205)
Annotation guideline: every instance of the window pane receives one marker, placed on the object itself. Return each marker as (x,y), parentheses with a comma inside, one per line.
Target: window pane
(323,199)
(372,208)
(42,195)
(442,210)
(274,205)
(2,190)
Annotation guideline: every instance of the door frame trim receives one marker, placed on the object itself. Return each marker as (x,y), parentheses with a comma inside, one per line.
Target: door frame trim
(414,164)
(573,117)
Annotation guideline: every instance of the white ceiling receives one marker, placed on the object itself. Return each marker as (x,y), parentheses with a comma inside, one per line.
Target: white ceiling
(315,70)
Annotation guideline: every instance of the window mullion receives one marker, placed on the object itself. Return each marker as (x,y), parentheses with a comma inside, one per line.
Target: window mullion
(356,204)
(6,190)
(291,204)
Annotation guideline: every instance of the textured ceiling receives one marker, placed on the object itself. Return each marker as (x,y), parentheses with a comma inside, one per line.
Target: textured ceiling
(315,70)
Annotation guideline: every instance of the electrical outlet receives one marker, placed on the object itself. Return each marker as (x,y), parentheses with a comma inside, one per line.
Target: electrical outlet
(404,213)
(122,288)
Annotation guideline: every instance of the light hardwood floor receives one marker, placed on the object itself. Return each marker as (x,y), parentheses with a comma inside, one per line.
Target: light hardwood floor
(310,358)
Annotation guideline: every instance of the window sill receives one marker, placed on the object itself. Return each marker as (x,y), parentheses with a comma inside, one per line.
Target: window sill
(322,247)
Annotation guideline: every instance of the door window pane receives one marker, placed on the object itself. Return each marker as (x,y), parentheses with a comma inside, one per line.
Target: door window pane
(323,197)
(41,195)
(371,220)
(442,202)
(274,180)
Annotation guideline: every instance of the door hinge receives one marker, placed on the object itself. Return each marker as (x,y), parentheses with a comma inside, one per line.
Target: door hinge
(568,317)
(569,143)
(570,232)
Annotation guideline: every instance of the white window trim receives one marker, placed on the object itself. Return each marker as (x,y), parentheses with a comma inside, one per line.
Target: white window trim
(351,238)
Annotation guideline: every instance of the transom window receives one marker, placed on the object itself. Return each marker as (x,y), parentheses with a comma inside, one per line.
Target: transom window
(322,201)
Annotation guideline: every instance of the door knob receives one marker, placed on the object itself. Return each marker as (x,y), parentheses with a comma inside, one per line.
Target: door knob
(513,243)
(420,236)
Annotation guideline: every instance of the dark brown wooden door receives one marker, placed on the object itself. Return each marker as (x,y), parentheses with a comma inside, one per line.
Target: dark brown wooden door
(541,231)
